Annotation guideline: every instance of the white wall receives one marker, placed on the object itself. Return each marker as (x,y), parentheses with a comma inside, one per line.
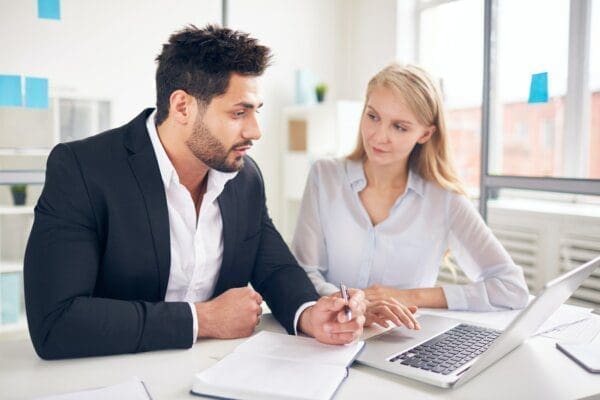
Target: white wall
(98,49)
(367,41)
(301,34)
(106,50)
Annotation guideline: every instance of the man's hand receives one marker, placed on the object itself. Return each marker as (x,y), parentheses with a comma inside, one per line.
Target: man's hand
(233,314)
(326,321)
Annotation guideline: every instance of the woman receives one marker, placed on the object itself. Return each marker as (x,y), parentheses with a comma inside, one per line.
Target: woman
(382,218)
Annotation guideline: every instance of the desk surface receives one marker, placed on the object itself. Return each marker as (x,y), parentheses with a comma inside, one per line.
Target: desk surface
(535,370)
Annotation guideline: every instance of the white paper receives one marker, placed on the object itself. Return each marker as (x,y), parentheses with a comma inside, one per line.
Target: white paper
(278,366)
(298,348)
(565,315)
(584,331)
(248,376)
(131,390)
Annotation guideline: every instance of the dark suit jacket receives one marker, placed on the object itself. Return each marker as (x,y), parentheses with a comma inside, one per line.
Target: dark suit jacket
(98,257)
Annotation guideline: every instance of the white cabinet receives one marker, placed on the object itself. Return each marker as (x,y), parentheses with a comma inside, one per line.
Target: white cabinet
(310,133)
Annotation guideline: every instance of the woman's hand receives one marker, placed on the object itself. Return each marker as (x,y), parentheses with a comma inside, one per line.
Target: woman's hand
(383,306)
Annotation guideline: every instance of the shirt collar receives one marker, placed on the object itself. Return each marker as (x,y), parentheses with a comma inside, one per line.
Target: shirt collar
(356,176)
(216,179)
(415,182)
(164,163)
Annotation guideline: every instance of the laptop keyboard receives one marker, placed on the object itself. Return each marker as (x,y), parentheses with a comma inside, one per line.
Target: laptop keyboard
(450,350)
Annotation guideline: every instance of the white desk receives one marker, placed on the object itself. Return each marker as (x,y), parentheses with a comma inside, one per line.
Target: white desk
(535,370)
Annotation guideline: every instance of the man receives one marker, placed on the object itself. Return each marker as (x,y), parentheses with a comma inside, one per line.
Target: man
(146,236)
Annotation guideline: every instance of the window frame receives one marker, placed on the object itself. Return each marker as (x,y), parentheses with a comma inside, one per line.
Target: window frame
(577,110)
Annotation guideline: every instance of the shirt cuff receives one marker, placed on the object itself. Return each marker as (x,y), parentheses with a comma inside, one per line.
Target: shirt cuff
(299,312)
(195,324)
(455,297)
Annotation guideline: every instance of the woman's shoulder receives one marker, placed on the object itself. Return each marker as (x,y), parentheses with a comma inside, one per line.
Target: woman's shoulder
(327,169)
(437,193)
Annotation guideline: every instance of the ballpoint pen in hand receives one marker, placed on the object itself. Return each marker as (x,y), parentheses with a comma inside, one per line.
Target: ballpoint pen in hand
(347,310)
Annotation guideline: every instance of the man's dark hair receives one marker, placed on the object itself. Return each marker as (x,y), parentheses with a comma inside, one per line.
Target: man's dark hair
(200,62)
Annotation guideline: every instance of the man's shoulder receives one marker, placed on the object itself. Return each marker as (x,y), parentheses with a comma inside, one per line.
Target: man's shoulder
(115,138)
(97,141)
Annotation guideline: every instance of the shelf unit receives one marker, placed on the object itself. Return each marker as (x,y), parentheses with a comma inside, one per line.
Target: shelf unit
(10,266)
(310,133)
(28,135)
(17,221)
(16,210)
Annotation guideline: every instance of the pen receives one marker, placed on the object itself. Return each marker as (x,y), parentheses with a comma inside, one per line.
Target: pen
(344,291)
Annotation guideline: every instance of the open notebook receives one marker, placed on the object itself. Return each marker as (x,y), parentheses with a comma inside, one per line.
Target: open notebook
(278,366)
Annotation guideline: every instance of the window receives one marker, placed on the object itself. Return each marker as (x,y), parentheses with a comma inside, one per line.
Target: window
(547,133)
(527,46)
(541,142)
(460,73)
(540,124)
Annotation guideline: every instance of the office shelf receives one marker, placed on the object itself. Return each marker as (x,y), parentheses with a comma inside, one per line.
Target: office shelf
(16,210)
(10,266)
(24,151)
(310,133)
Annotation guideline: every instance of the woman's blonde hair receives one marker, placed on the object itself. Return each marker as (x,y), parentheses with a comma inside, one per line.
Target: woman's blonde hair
(432,160)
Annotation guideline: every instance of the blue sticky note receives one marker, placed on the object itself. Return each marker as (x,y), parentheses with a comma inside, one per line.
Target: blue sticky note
(36,92)
(538,91)
(49,9)
(10,90)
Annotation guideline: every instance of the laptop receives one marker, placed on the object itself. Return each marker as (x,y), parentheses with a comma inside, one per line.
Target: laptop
(447,352)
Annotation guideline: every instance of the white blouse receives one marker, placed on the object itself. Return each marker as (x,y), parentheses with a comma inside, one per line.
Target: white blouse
(335,240)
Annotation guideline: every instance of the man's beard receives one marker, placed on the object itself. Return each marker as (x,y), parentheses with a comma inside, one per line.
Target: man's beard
(208,149)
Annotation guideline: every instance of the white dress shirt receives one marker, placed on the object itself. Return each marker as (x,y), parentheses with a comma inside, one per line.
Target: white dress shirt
(335,240)
(196,242)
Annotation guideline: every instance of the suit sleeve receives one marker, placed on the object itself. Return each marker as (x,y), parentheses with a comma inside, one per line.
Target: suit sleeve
(277,276)
(62,262)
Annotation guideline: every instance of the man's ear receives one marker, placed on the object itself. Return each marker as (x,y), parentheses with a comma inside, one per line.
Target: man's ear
(181,106)
(426,135)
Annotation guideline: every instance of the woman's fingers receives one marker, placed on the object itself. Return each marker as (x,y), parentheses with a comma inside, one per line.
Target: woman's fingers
(405,316)
(399,314)
(372,318)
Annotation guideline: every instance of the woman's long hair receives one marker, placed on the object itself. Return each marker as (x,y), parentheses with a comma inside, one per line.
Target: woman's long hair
(432,160)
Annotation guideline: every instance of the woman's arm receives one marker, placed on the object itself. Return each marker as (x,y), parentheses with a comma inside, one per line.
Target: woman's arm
(497,282)
(422,297)
(308,244)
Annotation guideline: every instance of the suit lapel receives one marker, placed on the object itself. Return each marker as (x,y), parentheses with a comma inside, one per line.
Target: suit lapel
(229,214)
(144,165)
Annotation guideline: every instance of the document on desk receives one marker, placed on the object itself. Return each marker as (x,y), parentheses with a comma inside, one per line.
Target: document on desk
(278,366)
(565,315)
(133,389)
